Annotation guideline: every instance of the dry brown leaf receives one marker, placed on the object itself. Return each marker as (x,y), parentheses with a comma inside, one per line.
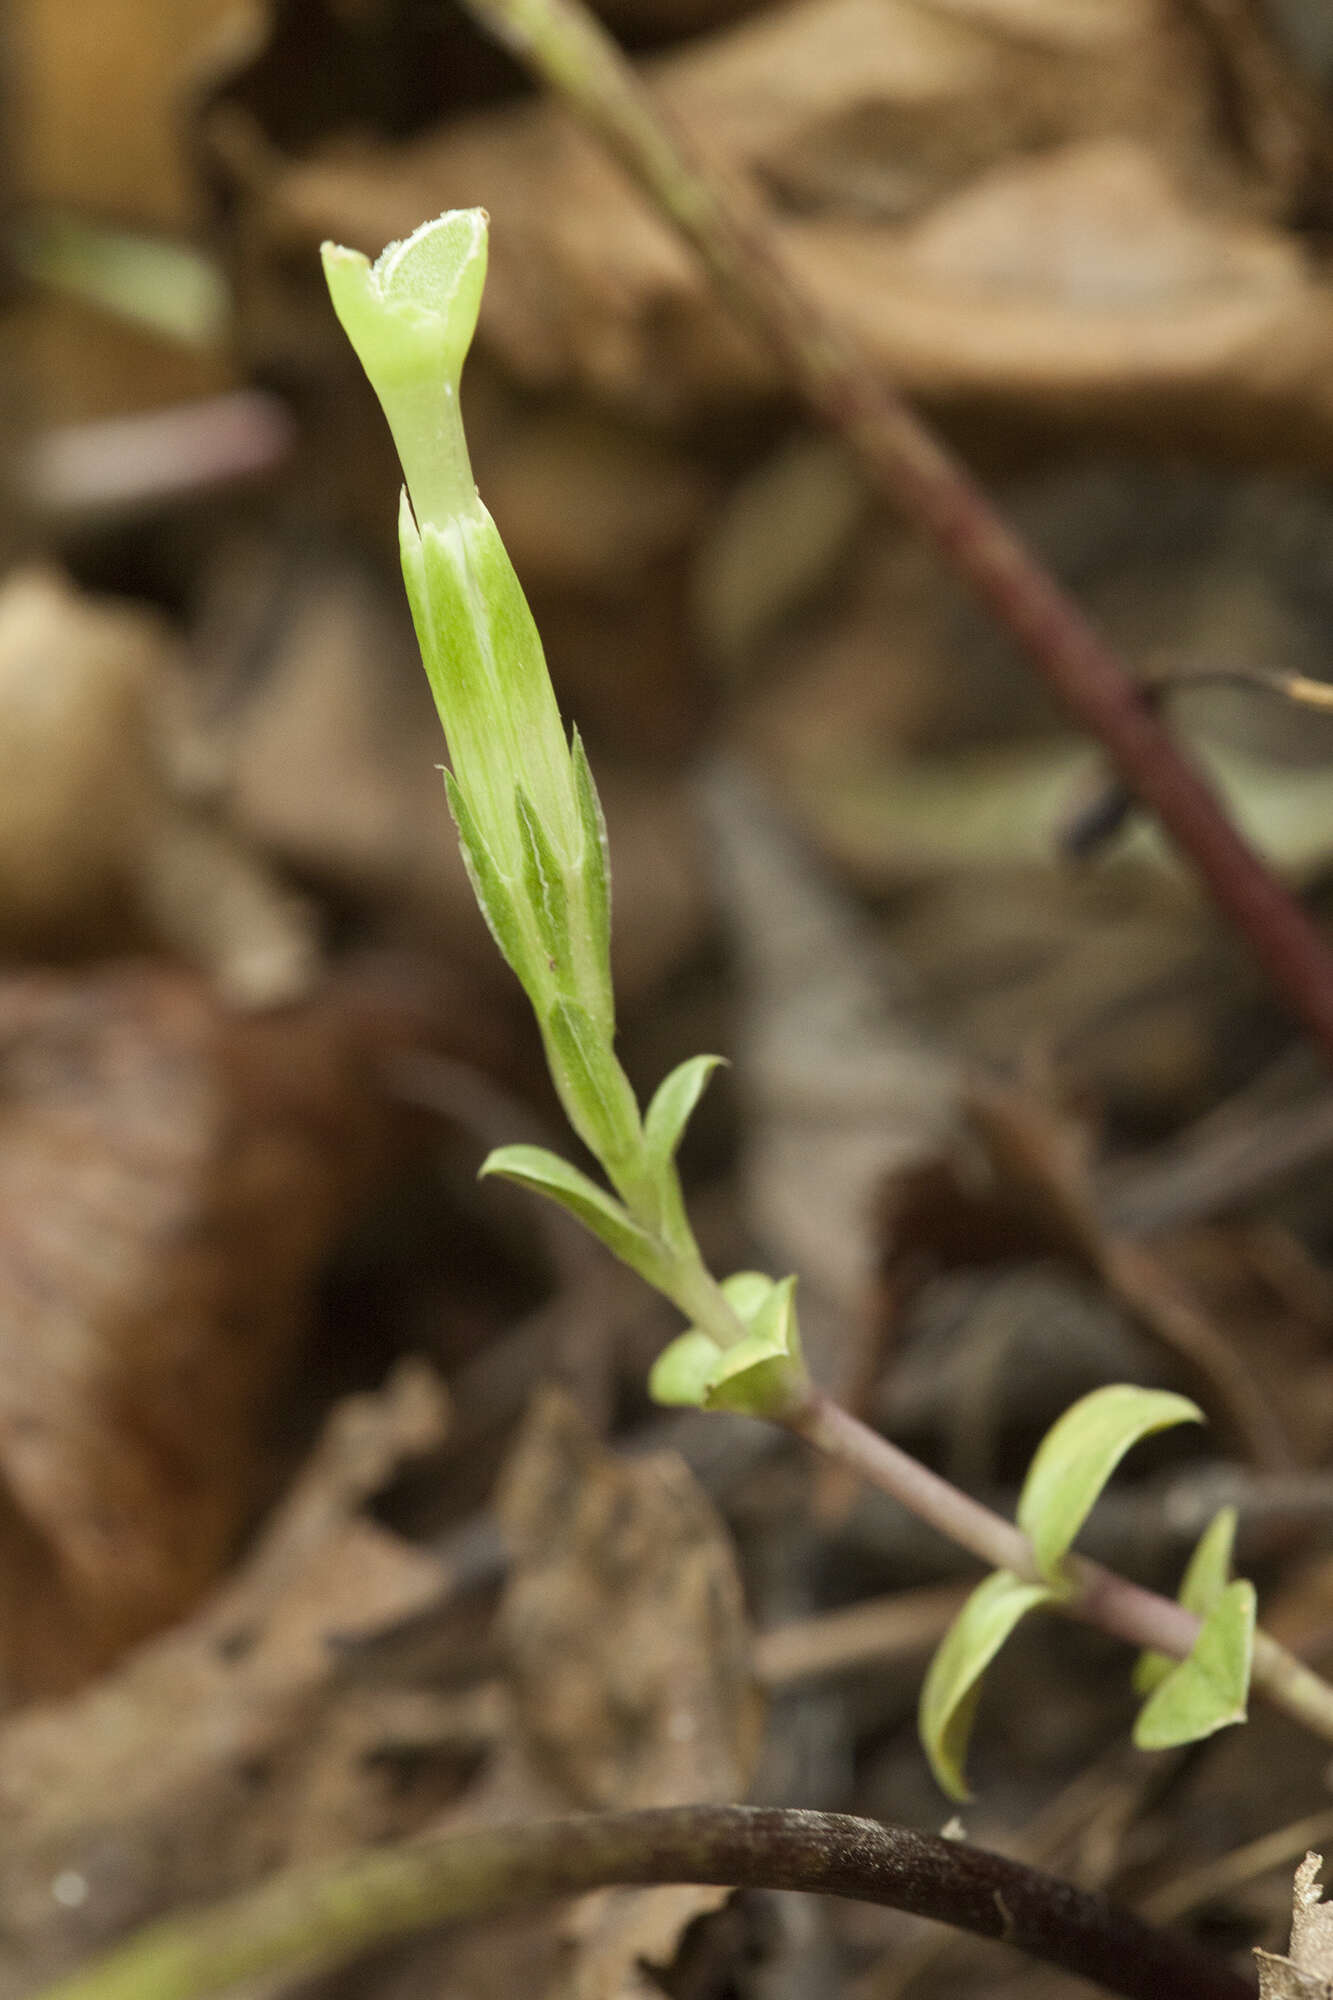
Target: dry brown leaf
(179,1776)
(1308,1973)
(630,1661)
(623,1622)
(1042,213)
(97,848)
(629,1685)
(103,87)
(171,1178)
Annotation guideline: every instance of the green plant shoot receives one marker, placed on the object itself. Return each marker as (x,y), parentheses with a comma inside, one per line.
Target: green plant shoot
(534,843)
(531,830)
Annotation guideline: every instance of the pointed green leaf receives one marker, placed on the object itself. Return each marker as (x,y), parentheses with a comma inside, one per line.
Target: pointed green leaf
(747,1292)
(763,1375)
(543,881)
(1078,1455)
(1206,1577)
(488,885)
(760,1376)
(952,1686)
(593,1087)
(1209,1690)
(596,867)
(546,1173)
(682,1372)
(673,1104)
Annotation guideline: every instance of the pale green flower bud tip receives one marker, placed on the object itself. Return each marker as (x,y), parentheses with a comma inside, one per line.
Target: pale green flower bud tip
(411,316)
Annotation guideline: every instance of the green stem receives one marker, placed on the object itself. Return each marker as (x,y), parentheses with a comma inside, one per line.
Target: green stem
(695,1291)
(323,1914)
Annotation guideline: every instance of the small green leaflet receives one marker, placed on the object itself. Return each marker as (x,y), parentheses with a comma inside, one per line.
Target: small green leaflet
(952,1686)
(488,886)
(593,1087)
(761,1376)
(1209,1690)
(673,1104)
(682,1372)
(1078,1455)
(546,1173)
(543,879)
(1206,1577)
(596,876)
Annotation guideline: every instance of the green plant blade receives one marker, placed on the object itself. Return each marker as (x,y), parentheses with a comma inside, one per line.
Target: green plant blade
(952,1686)
(1209,1690)
(1206,1577)
(493,898)
(546,1173)
(673,1105)
(596,884)
(746,1292)
(761,1376)
(680,1376)
(543,880)
(1077,1456)
(593,1087)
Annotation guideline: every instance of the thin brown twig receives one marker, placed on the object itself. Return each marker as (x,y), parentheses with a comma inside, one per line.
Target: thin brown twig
(326,1913)
(1236,1870)
(872,1633)
(566,48)
(1176,676)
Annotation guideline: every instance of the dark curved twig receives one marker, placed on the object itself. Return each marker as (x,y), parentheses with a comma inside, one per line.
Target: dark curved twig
(329,1912)
(566,48)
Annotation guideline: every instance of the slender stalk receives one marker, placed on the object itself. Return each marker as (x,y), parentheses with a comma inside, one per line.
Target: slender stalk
(322,1914)
(1101,1598)
(561,42)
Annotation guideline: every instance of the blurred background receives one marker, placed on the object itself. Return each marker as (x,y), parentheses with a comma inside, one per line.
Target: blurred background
(309,1531)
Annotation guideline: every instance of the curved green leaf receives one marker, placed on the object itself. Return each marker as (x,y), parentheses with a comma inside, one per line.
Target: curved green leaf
(488,885)
(683,1371)
(763,1375)
(1206,1577)
(1078,1455)
(952,1686)
(747,1292)
(596,881)
(593,1087)
(543,880)
(760,1376)
(1209,1690)
(673,1103)
(546,1173)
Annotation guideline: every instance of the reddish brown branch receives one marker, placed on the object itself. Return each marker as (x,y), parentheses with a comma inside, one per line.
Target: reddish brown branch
(327,1912)
(567,49)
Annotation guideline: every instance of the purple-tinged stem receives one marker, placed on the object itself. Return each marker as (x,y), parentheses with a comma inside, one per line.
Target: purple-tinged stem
(1098,1596)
